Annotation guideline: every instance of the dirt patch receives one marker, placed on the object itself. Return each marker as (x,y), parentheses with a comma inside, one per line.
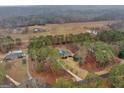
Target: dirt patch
(91,65)
(46,75)
(17,70)
(2,56)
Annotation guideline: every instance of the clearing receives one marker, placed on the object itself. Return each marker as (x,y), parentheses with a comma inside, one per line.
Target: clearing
(17,70)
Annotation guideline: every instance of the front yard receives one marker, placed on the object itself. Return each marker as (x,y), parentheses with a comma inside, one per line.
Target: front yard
(17,70)
(74,67)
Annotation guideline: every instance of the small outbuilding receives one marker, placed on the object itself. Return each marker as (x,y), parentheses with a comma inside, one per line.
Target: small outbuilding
(94,32)
(35,30)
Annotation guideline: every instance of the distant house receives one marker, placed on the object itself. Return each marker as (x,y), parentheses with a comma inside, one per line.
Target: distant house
(38,30)
(64,53)
(14,55)
(18,30)
(95,32)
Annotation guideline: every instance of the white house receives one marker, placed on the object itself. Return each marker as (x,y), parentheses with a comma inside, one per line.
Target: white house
(95,32)
(38,30)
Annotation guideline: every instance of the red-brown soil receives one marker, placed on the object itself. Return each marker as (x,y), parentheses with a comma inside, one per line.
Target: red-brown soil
(91,65)
(47,75)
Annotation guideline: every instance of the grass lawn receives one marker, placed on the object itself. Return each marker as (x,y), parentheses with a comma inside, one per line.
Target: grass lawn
(74,67)
(17,70)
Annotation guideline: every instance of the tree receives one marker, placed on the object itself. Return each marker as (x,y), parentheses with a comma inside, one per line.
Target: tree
(120,45)
(18,41)
(102,52)
(6,44)
(63,83)
(121,54)
(117,76)
(2,74)
(119,48)
(111,36)
(56,65)
(45,55)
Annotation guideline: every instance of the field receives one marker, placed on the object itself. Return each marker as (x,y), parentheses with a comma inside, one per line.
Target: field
(59,29)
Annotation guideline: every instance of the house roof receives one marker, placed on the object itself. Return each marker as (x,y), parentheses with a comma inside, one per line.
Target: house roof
(5,86)
(13,52)
(64,52)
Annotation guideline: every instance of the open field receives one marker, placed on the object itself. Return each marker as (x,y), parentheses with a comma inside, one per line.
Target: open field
(59,29)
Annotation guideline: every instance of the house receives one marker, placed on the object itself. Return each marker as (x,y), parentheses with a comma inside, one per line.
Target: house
(14,55)
(6,86)
(17,30)
(38,30)
(64,53)
(94,32)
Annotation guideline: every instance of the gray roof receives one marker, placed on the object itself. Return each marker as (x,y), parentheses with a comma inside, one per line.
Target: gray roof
(5,86)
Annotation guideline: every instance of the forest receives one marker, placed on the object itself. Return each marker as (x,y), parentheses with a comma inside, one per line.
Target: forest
(41,15)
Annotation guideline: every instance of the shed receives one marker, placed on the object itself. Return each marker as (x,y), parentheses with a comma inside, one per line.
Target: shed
(38,30)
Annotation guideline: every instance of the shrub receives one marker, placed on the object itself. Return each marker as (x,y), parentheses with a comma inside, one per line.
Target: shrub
(2,74)
(63,83)
(117,76)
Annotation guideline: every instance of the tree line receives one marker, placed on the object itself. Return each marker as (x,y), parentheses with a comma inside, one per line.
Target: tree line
(7,43)
(59,39)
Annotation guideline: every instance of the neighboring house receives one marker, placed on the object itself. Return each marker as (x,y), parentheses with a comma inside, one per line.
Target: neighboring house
(38,30)
(6,86)
(95,32)
(14,55)
(17,30)
(64,53)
